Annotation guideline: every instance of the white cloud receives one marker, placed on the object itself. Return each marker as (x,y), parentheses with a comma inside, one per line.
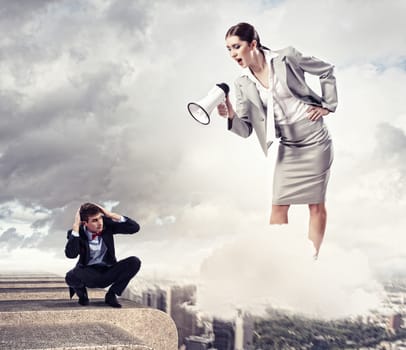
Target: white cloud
(277,269)
(24,219)
(170,219)
(33,260)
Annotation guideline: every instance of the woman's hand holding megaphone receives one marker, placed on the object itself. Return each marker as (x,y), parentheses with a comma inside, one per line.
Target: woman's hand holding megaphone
(226,109)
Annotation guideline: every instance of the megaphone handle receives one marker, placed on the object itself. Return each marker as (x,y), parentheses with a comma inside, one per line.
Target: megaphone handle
(225,109)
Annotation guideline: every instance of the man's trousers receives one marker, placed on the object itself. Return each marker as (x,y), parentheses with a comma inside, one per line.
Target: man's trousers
(99,276)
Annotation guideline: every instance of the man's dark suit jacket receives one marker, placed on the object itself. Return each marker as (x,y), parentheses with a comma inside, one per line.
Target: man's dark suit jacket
(80,245)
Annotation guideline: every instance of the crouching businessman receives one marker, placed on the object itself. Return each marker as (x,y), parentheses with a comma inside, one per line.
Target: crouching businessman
(91,237)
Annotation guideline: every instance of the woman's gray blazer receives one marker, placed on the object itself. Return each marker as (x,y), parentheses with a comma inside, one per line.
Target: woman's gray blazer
(290,67)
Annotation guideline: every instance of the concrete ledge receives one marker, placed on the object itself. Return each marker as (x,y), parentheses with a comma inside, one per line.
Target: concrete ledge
(57,304)
(152,327)
(29,276)
(82,336)
(37,314)
(46,294)
(97,347)
(42,284)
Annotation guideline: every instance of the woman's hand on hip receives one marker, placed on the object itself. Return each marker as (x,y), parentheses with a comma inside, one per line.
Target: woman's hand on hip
(316,113)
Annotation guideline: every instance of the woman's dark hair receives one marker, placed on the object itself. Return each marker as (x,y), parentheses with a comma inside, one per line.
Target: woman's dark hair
(87,210)
(246,32)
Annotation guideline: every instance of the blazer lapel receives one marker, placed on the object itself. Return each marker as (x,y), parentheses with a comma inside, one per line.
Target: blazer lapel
(252,94)
(83,235)
(279,67)
(257,118)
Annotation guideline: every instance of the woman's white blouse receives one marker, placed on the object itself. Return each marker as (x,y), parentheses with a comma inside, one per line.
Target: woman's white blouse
(287,108)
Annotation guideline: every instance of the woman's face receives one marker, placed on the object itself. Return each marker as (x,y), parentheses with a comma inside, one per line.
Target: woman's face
(240,51)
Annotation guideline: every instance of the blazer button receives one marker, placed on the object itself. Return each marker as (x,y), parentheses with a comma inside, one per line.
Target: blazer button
(262,119)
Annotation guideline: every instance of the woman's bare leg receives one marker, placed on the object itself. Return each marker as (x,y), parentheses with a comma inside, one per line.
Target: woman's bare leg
(317,225)
(279,214)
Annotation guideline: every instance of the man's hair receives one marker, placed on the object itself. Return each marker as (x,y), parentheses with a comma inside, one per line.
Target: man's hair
(87,210)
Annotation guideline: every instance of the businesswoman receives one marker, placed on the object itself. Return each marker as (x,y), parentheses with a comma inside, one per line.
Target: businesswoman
(273,99)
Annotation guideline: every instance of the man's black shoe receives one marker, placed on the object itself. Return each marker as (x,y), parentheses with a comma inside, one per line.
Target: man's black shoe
(82,294)
(84,300)
(111,300)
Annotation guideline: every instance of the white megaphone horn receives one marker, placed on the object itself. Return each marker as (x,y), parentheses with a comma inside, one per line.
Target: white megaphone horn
(201,110)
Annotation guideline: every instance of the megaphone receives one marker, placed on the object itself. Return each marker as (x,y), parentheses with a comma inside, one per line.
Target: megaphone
(201,110)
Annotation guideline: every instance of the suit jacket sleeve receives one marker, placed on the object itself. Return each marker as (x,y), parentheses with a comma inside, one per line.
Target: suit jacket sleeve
(240,124)
(127,227)
(72,247)
(325,72)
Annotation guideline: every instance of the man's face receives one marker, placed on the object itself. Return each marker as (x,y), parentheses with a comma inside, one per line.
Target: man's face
(94,223)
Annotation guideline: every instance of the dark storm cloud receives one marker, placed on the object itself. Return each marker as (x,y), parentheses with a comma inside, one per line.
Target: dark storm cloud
(81,140)
(391,154)
(9,234)
(112,124)
(5,212)
(11,239)
(38,224)
(20,23)
(63,137)
(33,241)
(89,138)
(20,10)
(129,15)
(10,123)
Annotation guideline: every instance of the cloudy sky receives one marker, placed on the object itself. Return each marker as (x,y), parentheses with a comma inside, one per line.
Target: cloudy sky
(93,99)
